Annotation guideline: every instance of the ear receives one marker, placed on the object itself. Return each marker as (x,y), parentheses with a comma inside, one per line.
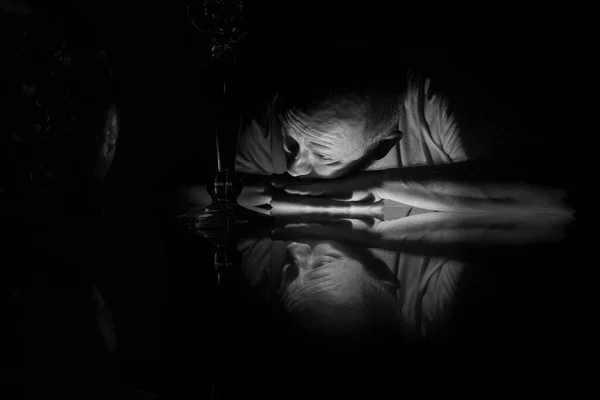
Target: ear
(385,145)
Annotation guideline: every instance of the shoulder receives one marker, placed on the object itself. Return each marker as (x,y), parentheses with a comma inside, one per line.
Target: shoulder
(259,146)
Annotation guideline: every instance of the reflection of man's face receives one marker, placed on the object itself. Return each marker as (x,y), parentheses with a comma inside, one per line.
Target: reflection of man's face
(325,285)
(320,266)
(314,260)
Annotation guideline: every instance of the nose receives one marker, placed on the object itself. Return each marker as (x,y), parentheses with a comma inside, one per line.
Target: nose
(298,251)
(299,165)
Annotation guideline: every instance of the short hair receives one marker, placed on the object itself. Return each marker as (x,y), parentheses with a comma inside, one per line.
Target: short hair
(371,110)
(319,308)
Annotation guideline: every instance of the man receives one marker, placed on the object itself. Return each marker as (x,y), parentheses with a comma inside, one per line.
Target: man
(404,142)
(340,131)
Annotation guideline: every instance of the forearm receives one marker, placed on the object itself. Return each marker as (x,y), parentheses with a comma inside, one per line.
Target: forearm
(472,229)
(446,193)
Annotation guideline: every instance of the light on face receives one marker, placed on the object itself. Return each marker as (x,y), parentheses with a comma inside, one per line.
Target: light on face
(325,157)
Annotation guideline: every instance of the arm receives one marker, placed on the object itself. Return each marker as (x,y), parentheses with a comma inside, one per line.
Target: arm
(439,192)
(453,188)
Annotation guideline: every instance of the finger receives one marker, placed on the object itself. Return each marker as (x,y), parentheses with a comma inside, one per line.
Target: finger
(343,197)
(304,191)
(312,189)
(277,184)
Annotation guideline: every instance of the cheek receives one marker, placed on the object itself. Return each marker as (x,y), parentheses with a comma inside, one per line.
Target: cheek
(289,274)
(327,171)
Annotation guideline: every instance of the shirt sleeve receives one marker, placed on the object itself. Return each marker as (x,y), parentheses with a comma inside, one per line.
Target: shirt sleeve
(464,120)
(443,125)
(254,150)
(260,150)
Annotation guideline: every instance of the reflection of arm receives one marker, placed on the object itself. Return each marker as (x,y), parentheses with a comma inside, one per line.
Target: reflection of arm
(451,234)
(437,234)
(472,229)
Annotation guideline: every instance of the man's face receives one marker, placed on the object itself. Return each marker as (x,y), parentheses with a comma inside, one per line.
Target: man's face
(323,155)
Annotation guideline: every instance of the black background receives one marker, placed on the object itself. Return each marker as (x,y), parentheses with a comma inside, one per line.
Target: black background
(522,56)
(165,316)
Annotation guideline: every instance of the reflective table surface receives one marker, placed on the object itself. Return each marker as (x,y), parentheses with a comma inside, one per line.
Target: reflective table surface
(321,299)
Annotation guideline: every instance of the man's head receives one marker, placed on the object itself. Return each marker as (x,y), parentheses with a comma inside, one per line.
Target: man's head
(331,134)
(328,288)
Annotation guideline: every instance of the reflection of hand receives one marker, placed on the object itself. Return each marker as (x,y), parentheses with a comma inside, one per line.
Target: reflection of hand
(352,231)
(361,187)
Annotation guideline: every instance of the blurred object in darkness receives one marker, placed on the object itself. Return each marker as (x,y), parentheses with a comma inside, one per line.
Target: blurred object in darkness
(105,327)
(222,21)
(60,120)
(15,6)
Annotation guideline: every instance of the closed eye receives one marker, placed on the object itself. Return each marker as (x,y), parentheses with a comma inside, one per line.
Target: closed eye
(325,260)
(324,158)
(290,146)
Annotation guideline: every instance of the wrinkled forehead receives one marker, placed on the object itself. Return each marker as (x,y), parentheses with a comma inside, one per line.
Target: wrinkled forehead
(342,138)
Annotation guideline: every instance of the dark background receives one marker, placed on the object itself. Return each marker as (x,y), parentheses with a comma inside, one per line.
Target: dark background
(165,316)
(524,58)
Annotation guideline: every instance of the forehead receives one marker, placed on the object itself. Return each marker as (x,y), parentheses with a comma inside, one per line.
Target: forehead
(339,139)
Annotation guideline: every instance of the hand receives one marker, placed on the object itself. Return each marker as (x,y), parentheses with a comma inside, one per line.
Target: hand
(365,186)
(286,207)
(349,230)
(255,195)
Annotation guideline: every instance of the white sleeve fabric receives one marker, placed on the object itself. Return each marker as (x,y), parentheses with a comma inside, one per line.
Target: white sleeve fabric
(254,150)
(425,124)
(442,127)
(466,119)
(260,149)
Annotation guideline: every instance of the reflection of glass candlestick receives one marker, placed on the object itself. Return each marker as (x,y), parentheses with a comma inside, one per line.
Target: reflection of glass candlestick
(222,261)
